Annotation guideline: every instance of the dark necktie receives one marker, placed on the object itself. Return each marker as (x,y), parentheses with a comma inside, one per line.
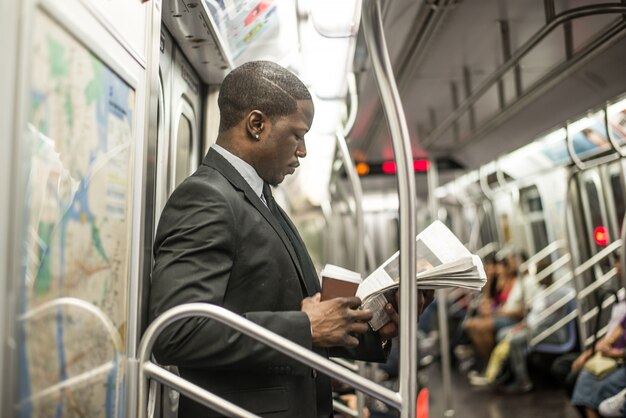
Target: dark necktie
(306,265)
(310,277)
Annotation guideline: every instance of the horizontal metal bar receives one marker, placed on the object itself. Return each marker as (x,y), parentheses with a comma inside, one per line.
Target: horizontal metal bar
(597,283)
(544,252)
(591,313)
(345,410)
(552,268)
(483,251)
(255,331)
(193,391)
(601,332)
(552,329)
(596,258)
(555,307)
(552,288)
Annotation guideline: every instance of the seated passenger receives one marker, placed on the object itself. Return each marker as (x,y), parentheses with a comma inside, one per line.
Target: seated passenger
(483,328)
(590,390)
(513,348)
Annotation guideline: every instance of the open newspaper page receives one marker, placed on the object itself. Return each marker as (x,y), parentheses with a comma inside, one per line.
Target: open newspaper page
(441,261)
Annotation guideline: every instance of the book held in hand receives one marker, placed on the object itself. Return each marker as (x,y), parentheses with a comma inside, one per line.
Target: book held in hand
(442,261)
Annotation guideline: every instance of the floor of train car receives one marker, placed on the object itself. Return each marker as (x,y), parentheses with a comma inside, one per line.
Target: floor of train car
(546,399)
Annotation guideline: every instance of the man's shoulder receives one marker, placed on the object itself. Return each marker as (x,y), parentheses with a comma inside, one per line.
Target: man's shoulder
(207,180)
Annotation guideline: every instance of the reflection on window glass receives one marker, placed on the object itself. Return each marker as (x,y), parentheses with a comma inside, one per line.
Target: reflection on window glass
(589,136)
(617,121)
(183,150)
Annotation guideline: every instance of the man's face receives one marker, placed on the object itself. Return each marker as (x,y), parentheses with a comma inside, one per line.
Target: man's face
(283,145)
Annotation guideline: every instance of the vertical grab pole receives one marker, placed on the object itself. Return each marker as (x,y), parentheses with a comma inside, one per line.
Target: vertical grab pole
(359,259)
(355,182)
(441,295)
(377,47)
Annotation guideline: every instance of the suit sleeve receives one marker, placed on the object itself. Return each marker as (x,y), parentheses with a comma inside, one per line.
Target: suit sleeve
(370,349)
(194,252)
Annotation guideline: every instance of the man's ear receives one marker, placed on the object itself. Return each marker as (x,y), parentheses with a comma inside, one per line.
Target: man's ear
(256,122)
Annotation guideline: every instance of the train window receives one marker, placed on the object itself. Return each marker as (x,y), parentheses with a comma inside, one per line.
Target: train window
(618,196)
(532,208)
(184,145)
(589,137)
(595,210)
(487,228)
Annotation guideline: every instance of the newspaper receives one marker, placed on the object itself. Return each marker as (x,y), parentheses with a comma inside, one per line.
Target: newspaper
(441,261)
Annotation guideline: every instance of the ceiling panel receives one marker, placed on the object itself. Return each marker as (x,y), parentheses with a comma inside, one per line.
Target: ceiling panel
(469,42)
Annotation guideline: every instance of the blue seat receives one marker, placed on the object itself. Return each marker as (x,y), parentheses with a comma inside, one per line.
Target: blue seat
(571,336)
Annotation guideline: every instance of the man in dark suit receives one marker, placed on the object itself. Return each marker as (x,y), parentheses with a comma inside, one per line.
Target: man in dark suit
(222,239)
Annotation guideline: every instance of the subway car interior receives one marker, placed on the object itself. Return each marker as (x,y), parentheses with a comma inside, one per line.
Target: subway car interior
(503,119)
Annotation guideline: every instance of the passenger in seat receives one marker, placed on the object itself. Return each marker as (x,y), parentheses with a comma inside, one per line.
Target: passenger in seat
(222,239)
(514,345)
(591,390)
(482,329)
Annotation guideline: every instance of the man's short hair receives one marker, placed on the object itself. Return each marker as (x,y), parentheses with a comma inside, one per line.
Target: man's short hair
(259,85)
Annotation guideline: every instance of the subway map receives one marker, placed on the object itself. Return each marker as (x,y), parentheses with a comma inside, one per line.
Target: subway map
(79,141)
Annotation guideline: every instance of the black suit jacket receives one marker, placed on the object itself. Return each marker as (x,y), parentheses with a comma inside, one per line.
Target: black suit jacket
(218,243)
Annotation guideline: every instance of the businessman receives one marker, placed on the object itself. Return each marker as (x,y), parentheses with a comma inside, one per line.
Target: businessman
(222,239)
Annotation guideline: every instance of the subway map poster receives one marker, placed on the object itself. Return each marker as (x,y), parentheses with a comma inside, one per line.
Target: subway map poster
(76,249)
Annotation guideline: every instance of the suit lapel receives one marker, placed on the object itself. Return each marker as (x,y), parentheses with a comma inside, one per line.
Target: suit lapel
(215,160)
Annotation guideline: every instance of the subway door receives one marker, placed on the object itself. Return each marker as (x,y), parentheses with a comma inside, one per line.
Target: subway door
(178,156)
(588,235)
(179,146)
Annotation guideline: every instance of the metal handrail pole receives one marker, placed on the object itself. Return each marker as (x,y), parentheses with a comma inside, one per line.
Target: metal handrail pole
(345,410)
(597,257)
(442,301)
(597,283)
(379,55)
(605,304)
(549,331)
(486,249)
(549,310)
(357,189)
(623,255)
(190,390)
(553,268)
(354,105)
(567,277)
(255,331)
(543,253)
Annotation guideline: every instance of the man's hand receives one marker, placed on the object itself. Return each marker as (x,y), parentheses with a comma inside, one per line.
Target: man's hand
(332,321)
(390,329)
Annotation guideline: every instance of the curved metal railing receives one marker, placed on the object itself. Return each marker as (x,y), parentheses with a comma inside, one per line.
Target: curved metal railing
(150,370)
